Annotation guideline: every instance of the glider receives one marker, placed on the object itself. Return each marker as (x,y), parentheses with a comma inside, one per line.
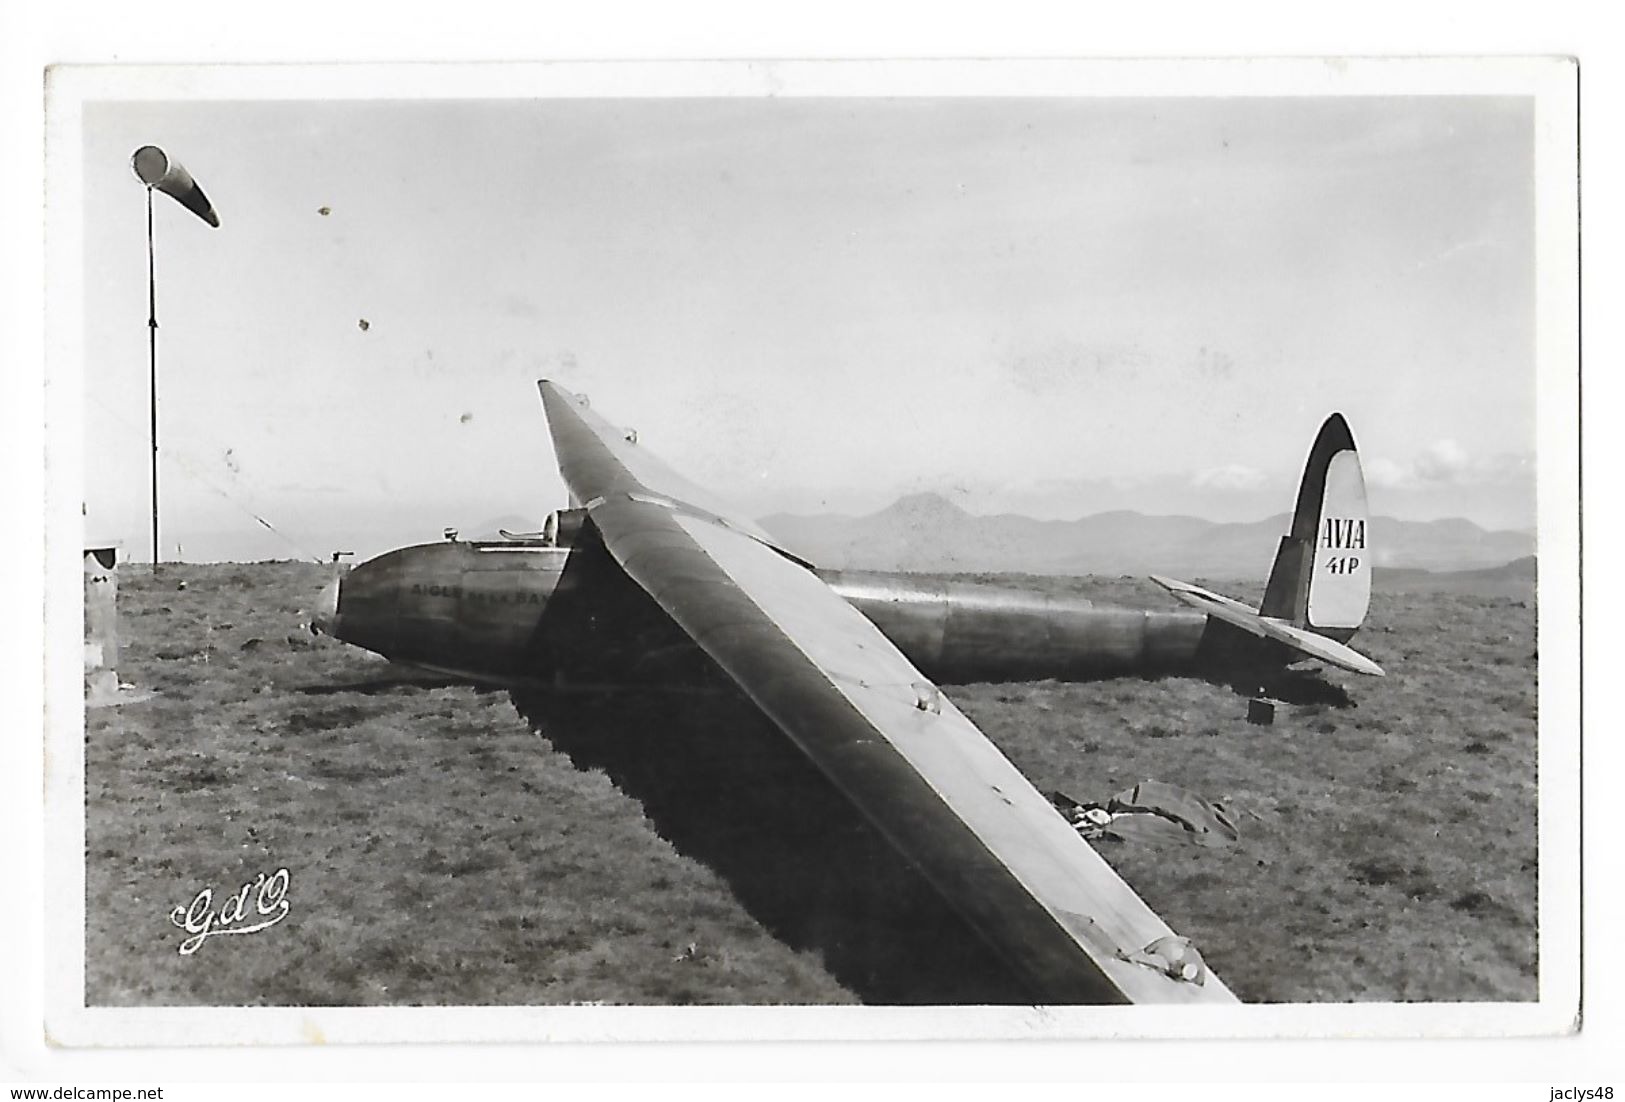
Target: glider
(649,582)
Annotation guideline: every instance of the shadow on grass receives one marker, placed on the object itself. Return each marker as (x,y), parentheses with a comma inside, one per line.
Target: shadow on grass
(1293,687)
(727,789)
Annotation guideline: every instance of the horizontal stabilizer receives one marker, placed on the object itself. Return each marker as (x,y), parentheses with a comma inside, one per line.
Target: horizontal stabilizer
(1267,627)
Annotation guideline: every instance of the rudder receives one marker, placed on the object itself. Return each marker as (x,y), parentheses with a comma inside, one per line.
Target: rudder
(1321,579)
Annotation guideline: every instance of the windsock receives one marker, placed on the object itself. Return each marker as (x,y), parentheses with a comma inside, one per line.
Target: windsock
(154,168)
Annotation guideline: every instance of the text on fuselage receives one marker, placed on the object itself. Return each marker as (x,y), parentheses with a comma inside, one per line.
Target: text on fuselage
(489,596)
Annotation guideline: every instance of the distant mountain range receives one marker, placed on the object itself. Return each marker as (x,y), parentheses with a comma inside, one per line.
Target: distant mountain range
(1514,580)
(926,532)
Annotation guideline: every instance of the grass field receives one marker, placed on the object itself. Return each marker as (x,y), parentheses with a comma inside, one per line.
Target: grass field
(440,852)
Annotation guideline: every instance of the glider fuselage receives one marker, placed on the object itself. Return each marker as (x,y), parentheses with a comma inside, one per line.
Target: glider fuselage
(521,613)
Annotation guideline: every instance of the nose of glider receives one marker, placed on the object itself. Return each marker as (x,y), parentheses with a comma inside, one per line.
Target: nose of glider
(326,609)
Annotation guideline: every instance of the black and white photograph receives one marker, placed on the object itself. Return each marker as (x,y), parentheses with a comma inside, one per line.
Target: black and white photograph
(733,550)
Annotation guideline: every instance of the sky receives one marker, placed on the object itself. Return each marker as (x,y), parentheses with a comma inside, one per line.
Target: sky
(1043,306)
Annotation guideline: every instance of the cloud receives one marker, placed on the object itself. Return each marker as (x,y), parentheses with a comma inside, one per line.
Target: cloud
(1386,473)
(1232,476)
(1445,463)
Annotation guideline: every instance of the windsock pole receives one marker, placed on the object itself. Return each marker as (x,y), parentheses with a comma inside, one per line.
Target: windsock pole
(153,168)
(152,361)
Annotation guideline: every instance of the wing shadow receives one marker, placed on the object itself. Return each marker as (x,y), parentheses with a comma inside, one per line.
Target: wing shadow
(726,788)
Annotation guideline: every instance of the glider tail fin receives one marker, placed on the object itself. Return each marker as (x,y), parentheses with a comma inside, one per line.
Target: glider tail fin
(1321,579)
(1320,585)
